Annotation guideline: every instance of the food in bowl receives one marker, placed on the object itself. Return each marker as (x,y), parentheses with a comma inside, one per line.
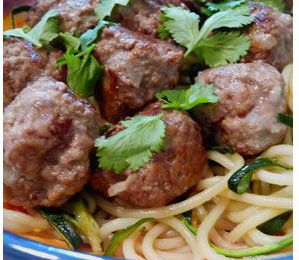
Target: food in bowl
(150,129)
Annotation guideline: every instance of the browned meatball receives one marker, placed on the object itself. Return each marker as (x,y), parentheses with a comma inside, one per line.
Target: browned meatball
(271,36)
(48,135)
(22,63)
(136,67)
(76,16)
(246,116)
(169,174)
(144,15)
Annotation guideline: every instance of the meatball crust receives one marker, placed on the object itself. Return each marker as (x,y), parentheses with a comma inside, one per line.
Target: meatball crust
(22,62)
(169,174)
(77,16)
(136,68)
(271,36)
(246,116)
(144,15)
(48,135)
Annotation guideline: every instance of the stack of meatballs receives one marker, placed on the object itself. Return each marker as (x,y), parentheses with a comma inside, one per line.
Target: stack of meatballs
(49,131)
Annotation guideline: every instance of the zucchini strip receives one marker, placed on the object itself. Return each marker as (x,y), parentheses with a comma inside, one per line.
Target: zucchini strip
(121,235)
(240,181)
(272,226)
(254,251)
(62,226)
(86,223)
(187,220)
(286,119)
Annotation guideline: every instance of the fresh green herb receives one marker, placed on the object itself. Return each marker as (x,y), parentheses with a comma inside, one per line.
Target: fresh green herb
(104,128)
(240,181)
(255,251)
(274,225)
(220,48)
(71,43)
(183,26)
(223,149)
(92,35)
(224,5)
(62,226)
(187,220)
(133,146)
(121,235)
(83,72)
(186,99)
(105,7)
(278,4)
(86,223)
(42,33)
(16,10)
(286,119)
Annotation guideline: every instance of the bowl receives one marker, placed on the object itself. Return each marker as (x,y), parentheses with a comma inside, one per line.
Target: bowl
(18,248)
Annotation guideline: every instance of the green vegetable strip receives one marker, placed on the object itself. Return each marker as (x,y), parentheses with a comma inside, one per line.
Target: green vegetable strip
(121,235)
(16,10)
(286,119)
(223,149)
(239,182)
(187,220)
(65,229)
(274,225)
(255,251)
(86,223)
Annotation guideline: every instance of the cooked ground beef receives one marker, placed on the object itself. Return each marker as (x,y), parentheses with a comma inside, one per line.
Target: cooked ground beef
(136,68)
(76,16)
(48,135)
(170,173)
(271,36)
(144,15)
(246,116)
(22,62)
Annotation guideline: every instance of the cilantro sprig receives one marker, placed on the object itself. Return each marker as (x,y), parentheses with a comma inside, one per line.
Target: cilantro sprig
(214,48)
(186,99)
(105,7)
(83,68)
(132,147)
(45,31)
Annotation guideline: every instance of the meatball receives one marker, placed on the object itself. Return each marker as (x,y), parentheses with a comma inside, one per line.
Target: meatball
(144,15)
(76,16)
(22,63)
(271,36)
(169,174)
(48,135)
(246,115)
(136,67)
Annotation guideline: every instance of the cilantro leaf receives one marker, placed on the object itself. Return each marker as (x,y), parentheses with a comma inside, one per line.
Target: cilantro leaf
(220,48)
(182,24)
(132,147)
(71,43)
(83,72)
(46,30)
(92,35)
(224,5)
(231,18)
(278,4)
(105,7)
(186,99)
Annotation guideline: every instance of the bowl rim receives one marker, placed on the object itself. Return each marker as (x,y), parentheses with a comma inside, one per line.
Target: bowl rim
(18,247)
(21,248)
